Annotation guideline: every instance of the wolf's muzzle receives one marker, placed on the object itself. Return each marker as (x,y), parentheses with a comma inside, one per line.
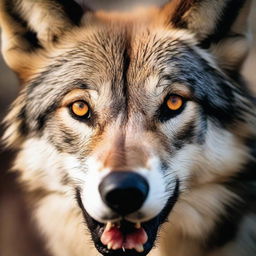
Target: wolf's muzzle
(124,191)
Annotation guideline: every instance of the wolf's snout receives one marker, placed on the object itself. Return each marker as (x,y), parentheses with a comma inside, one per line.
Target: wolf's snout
(124,191)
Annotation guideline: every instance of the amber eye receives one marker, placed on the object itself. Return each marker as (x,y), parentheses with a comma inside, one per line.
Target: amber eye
(80,108)
(174,102)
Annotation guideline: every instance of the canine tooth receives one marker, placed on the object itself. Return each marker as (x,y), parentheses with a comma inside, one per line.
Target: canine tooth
(123,248)
(110,244)
(115,246)
(138,225)
(139,248)
(108,226)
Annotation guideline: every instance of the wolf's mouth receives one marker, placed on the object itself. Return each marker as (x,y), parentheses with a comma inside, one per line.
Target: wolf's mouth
(124,235)
(124,238)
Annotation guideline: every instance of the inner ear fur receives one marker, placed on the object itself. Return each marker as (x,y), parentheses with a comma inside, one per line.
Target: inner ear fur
(219,25)
(30,26)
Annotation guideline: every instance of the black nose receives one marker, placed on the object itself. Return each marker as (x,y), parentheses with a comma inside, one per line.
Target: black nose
(124,191)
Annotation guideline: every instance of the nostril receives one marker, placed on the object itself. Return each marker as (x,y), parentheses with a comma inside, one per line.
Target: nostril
(124,191)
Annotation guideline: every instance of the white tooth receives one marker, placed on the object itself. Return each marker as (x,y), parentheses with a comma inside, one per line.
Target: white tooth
(110,244)
(139,248)
(115,247)
(108,226)
(138,225)
(123,248)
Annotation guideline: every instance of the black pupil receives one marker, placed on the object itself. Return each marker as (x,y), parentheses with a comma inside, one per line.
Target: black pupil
(81,105)
(174,99)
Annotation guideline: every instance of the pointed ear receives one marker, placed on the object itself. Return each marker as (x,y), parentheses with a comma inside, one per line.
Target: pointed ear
(29,27)
(219,25)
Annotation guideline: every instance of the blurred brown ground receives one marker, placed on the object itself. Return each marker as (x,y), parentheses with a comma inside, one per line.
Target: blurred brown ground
(18,236)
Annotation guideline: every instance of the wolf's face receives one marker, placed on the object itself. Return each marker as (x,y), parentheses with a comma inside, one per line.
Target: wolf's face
(129,120)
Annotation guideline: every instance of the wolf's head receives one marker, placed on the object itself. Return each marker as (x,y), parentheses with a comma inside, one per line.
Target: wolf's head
(130,115)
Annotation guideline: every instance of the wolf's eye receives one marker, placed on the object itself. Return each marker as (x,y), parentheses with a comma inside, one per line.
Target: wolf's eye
(174,102)
(80,109)
(173,105)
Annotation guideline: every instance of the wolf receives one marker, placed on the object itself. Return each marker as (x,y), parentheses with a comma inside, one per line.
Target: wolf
(135,132)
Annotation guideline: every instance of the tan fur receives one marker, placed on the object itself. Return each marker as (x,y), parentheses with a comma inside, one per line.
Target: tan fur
(136,145)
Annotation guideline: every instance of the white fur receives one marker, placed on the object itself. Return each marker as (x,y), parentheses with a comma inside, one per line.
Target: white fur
(156,200)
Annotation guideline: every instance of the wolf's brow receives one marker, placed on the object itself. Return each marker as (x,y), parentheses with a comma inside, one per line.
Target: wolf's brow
(169,80)
(81,84)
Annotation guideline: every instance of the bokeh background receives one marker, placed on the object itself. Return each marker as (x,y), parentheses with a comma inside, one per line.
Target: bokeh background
(18,236)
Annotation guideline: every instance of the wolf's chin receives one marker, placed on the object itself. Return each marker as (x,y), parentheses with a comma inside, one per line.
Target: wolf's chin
(150,228)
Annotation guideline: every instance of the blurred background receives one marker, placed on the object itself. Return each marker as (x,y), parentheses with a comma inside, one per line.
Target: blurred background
(17,233)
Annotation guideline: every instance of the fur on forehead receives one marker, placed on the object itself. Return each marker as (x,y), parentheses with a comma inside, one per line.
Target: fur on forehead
(29,37)
(104,43)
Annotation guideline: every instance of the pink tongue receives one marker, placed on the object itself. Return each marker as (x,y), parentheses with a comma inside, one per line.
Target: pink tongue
(114,239)
(139,237)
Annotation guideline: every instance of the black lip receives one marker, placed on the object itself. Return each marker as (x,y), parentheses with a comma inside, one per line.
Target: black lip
(151,227)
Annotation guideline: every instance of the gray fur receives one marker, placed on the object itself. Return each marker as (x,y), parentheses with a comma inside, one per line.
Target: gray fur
(126,71)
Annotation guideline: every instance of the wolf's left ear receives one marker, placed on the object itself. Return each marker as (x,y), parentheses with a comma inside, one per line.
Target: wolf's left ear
(31,26)
(219,25)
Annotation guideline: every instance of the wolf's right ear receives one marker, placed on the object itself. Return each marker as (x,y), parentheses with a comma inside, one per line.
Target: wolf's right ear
(30,26)
(219,25)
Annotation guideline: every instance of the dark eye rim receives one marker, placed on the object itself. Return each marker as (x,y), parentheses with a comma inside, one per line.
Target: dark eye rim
(164,113)
(85,117)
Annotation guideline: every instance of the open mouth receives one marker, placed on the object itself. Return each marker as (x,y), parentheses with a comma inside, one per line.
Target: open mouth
(124,238)
(124,235)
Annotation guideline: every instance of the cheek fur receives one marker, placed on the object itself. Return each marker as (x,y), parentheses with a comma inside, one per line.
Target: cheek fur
(45,166)
(173,126)
(220,156)
(67,134)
